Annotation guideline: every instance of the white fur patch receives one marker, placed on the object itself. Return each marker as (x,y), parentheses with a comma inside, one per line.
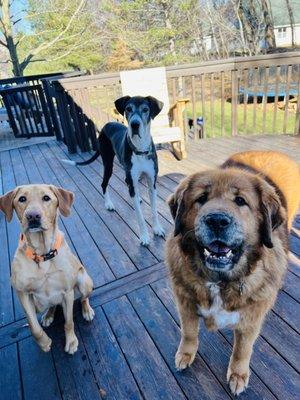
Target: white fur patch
(221,317)
(68,162)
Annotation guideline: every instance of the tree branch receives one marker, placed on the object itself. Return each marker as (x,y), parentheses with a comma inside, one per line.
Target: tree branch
(46,45)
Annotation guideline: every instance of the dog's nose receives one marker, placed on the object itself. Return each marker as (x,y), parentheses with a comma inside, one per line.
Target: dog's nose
(33,216)
(218,220)
(135,125)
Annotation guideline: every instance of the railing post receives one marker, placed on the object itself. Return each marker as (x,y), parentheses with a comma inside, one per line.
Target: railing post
(234,96)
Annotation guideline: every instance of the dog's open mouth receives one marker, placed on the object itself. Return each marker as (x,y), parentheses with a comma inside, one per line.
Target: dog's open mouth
(220,256)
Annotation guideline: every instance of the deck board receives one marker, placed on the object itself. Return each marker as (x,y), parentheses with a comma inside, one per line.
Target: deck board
(127,352)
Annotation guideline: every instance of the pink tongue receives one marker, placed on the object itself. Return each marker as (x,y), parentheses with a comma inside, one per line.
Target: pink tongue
(218,247)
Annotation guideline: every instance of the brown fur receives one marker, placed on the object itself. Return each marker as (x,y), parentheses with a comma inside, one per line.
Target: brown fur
(270,182)
(40,287)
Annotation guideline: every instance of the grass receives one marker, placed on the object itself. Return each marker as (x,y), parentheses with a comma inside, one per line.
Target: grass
(215,131)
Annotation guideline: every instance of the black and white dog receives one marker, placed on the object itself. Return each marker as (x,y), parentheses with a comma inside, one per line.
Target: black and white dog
(135,150)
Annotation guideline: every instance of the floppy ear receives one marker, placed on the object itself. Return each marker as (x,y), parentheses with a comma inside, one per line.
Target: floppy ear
(121,104)
(177,206)
(6,204)
(155,106)
(272,212)
(65,200)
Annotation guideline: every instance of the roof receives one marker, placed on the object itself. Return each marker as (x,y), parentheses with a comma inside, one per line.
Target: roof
(280,12)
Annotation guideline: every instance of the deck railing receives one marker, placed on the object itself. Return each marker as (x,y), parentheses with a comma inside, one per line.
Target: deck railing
(252,95)
(31,104)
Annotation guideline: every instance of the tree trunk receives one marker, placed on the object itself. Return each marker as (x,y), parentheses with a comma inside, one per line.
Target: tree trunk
(292,20)
(8,34)
(269,25)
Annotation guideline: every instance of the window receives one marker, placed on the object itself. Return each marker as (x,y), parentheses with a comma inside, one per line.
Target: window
(281,33)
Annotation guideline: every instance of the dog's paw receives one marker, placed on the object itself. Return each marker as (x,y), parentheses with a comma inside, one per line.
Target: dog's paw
(88,313)
(109,205)
(237,382)
(47,318)
(158,230)
(45,343)
(71,344)
(184,360)
(144,239)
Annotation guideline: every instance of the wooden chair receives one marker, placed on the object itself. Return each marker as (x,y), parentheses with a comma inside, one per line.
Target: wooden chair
(168,126)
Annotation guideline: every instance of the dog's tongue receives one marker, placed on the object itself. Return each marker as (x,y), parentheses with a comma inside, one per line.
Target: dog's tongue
(218,248)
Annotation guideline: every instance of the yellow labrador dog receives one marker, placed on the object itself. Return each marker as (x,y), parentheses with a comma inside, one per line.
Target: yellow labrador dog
(44,270)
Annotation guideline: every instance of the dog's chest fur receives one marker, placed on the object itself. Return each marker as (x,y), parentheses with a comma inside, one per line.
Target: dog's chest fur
(221,317)
(48,282)
(142,164)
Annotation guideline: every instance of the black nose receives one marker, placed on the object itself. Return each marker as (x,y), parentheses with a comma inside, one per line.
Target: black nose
(135,125)
(33,217)
(218,220)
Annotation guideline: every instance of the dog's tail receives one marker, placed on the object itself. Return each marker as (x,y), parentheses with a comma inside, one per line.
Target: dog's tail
(89,161)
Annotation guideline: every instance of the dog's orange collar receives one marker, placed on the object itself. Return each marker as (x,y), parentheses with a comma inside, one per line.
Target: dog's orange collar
(29,252)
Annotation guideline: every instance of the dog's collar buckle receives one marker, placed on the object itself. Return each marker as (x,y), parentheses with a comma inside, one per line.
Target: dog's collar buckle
(50,255)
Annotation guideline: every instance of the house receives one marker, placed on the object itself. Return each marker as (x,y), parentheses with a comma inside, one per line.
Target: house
(282,23)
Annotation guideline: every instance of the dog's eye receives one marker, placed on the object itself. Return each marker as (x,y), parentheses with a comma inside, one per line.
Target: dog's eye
(128,109)
(22,199)
(203,198)
(145,110)
(46,198)
(240,201)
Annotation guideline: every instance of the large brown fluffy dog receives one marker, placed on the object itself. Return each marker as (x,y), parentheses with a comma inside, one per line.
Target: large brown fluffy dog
(228,253)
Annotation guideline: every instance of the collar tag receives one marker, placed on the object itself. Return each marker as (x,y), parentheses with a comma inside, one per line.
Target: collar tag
(50,255)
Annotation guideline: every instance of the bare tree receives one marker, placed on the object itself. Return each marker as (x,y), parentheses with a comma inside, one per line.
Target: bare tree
(292,20)
(10,40)
(269,25)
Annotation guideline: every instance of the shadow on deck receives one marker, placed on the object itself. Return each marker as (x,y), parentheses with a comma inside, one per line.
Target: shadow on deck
(127,352)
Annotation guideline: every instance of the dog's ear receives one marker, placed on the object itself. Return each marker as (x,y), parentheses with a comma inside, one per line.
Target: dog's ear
(65,200)
(120,104)
(177,206)
(6,204)
(155,106)
(273,214)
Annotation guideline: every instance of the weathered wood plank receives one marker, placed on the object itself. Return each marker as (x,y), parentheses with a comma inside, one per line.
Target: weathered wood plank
(144,360)
(109,365)
(10,382)
(38,372)
(75,375)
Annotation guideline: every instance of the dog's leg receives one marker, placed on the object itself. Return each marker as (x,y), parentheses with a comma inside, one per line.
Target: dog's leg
(107,154)
(134,193)
(189,322)
(71,339)
(156,226)
(238,370)
(48,317)
(85,287)
(40,336)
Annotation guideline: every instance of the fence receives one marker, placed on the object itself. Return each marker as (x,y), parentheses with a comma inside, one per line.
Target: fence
(253,95)
(30,104)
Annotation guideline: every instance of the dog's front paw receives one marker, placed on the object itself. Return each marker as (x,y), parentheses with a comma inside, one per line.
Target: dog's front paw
(158,230)
(144,239)
(45,342)
(237,381)
(71,344)
(109,205)
(88,313)
(184,360)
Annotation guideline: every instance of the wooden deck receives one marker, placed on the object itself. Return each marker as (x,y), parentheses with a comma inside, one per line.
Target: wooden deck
(127,352)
